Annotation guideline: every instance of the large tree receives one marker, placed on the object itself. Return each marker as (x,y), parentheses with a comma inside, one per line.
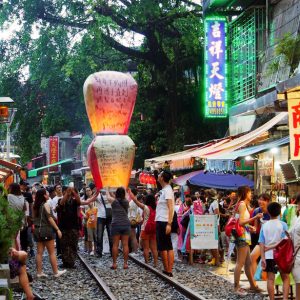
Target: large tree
(76,38)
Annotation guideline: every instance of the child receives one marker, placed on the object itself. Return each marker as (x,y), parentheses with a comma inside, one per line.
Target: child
(91,216)
(271,233)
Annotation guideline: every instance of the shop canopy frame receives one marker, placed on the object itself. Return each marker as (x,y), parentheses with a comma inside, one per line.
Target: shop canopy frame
(221,147)
(34,172)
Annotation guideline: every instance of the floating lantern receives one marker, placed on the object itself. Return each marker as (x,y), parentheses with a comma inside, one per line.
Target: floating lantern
(110,158)
(109,100)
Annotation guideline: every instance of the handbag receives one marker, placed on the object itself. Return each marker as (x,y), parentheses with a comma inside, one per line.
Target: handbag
(284,254)
(185,220)
(233,226)
(136,218)
(45,233)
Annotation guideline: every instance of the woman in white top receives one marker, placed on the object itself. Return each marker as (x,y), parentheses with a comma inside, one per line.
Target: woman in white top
(242,243)
(295,235)
(148,236)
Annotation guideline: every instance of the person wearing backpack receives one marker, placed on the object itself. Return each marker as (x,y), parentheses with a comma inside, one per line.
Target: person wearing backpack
(270,234)
(148,231)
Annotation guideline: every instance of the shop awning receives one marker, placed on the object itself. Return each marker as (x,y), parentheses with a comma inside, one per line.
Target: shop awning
(10,165)
(222,147)
(33,173)
(181,180)
(251,150)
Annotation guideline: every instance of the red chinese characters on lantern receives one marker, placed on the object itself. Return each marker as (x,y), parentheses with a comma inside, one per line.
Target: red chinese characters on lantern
(110,158)
(109,99)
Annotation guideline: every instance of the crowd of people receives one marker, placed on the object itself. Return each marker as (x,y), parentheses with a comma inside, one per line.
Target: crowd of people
(157,222)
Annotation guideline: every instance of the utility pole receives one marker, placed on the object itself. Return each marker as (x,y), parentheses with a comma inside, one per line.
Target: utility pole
(12,112)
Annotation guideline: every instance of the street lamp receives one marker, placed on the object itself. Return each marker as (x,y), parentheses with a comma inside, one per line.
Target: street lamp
(7,116)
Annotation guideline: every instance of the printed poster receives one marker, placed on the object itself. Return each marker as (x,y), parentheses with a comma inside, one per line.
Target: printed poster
(204,231)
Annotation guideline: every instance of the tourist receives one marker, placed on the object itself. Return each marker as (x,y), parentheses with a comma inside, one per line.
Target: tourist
(120,225)
(185,229)
(44,233)
(295,235)
(148,232)
(263,201)
(17,201)
(17,266)
(104,218)
(67,211)
(242,243)
(271,233)
(163,218)
(53,203)
(135,219)
(213,209)
(91,224)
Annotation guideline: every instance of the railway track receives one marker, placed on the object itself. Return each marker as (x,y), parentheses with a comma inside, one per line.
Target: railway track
(152,284)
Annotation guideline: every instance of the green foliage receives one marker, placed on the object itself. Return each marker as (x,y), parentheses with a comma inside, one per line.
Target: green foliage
(10,223)
(61,42)
(287,52)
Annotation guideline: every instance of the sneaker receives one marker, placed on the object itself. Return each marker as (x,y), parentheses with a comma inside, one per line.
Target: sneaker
(41,275)
(59,273)
(92,253)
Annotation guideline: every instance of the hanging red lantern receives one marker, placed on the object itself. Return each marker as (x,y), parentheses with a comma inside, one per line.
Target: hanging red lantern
(153,180)
(109,100)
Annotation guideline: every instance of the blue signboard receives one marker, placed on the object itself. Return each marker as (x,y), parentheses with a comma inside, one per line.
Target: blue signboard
(215,67)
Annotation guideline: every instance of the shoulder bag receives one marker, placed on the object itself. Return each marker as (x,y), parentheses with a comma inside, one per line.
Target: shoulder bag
(45,233)
(233,225)
(284,254)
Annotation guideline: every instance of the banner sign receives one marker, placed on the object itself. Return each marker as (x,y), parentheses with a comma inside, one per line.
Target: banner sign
(53,152)
(204,231)
(215,67)
(294,127)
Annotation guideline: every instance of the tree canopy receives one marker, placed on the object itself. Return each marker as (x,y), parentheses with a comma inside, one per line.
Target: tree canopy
(59,43)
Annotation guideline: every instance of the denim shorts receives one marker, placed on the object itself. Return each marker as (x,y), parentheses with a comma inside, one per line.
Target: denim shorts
(239,243)
(120,230)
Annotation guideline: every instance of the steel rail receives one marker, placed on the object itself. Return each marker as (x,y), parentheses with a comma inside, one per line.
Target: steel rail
(189,293)
(107,291)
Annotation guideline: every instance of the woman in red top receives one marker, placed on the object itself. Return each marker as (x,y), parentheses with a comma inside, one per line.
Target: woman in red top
(148,236)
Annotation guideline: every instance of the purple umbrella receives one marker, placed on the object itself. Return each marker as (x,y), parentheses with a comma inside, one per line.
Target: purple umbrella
(220,181)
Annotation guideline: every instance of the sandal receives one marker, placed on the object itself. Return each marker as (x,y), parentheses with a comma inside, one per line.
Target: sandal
(257,289)
(240,292)
(113,267)
(125,267)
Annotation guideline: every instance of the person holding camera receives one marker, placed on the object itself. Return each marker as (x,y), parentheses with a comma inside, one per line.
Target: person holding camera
(67,211)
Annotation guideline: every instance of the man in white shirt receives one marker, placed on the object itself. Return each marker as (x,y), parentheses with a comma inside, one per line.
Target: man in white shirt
(104,218)
(163,218)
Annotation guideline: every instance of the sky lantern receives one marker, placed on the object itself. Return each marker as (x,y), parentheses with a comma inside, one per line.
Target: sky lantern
(109,100)
(110,158)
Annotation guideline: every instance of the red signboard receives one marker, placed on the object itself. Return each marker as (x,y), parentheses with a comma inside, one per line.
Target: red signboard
(53,152)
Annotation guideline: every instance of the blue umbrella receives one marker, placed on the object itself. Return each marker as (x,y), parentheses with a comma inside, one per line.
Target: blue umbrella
(220,181)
